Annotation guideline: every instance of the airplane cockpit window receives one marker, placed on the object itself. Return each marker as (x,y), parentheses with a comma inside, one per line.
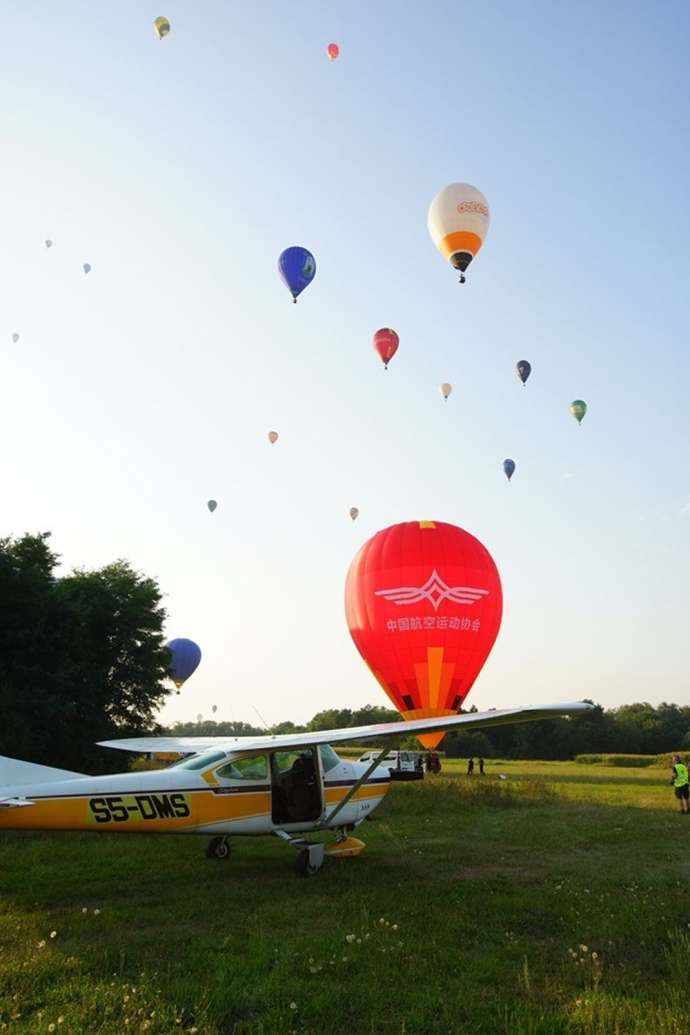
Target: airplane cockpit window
(329,759)
(200,761)
(255,767)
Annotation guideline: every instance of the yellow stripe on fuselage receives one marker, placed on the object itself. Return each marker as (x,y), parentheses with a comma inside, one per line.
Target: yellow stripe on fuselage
(148,810)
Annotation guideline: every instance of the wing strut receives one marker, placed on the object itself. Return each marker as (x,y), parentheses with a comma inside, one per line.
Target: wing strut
(353,790)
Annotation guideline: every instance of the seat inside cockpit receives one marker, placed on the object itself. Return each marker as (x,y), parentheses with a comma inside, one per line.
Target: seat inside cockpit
(296,786)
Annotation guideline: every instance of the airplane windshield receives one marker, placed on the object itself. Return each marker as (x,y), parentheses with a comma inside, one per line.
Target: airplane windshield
(200,761)
(329,759)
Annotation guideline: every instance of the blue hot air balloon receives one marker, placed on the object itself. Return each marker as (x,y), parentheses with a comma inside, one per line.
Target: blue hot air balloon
(297,267)
(509,468)
(185,657)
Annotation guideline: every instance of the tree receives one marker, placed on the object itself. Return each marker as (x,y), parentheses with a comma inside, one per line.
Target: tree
(81,657)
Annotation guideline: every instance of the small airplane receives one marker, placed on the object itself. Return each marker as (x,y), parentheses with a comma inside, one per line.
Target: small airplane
(288,786)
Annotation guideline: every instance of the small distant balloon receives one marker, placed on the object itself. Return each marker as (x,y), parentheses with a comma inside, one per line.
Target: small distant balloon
(161,27)
(332,50)
(185,656)
(273,437)
(15,337)
(212,504)
(523,369)
(297,267)
(445,389)
(386,343)
(509,468)
(354,513)
(86,267)
(48,244)
(214,709)
(578,408)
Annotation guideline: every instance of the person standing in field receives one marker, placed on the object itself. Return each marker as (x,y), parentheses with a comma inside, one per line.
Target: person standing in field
(470,767)
(679,780)
(481,766)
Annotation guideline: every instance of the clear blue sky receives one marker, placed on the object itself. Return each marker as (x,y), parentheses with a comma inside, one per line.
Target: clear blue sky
(181,169)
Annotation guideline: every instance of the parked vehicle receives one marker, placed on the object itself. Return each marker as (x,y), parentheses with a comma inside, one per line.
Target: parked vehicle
(403,765)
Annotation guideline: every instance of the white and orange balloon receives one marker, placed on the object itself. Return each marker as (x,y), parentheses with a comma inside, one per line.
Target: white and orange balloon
(458,222)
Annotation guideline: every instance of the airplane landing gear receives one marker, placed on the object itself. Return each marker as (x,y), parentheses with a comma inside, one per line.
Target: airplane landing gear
(218,848)
(309,856)
(308,863)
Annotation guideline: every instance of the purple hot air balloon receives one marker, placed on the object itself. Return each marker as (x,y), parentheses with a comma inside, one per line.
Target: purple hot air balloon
(297,267)
(185,657)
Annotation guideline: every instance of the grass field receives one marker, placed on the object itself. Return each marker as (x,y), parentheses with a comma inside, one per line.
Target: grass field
(556,901)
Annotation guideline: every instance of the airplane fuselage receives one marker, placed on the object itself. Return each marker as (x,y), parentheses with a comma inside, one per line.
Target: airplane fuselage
(225,796)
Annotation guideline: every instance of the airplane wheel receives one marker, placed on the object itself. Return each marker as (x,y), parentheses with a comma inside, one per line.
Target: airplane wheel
(218,848)
(304,867)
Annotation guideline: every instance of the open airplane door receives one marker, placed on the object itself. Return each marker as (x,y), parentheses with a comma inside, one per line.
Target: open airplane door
(296,787)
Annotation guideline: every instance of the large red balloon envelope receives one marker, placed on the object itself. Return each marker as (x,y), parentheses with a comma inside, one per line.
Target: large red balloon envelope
(332,50)
(423,603)
(386,344)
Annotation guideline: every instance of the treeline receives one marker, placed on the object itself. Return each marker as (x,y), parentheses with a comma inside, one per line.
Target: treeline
(330,719)
(631,729)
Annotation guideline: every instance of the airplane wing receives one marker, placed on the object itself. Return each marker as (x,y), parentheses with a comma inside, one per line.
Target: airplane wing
(391,731)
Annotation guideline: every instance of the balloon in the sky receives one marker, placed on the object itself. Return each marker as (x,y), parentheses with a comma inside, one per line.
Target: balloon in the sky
(578,408)
(297,267)
(523,369)
(354,513)
(161,27)
(86,267)
(332,50)
(273,437)
(15,337)
(509,468)
(185,656)
(386,343)
(445,389)
(212,504)
(458,222)
(423,603)
(48,244)
(214,709)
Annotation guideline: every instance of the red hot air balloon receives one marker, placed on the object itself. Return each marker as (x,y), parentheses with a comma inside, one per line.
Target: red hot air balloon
(332,50)
(386,343)
(423,603)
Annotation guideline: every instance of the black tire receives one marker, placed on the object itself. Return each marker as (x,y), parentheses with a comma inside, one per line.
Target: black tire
(303,865)
(218,848)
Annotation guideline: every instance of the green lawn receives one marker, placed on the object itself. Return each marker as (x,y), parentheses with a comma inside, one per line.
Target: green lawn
(556,901)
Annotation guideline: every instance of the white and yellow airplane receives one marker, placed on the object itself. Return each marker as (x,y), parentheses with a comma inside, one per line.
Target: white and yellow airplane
(287,786)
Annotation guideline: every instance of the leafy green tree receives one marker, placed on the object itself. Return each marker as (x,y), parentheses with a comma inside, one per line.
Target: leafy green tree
(283,728)
(81,657)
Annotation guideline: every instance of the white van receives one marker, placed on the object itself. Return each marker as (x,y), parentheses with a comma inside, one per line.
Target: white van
(403,765)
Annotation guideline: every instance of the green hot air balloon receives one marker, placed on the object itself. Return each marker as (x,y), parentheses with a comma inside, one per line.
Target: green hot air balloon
(578,408)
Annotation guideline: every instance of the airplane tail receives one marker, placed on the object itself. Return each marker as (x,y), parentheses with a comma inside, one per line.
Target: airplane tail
(14,773)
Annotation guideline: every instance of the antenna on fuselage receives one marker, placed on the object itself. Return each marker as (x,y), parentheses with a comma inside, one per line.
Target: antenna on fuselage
(261,718)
